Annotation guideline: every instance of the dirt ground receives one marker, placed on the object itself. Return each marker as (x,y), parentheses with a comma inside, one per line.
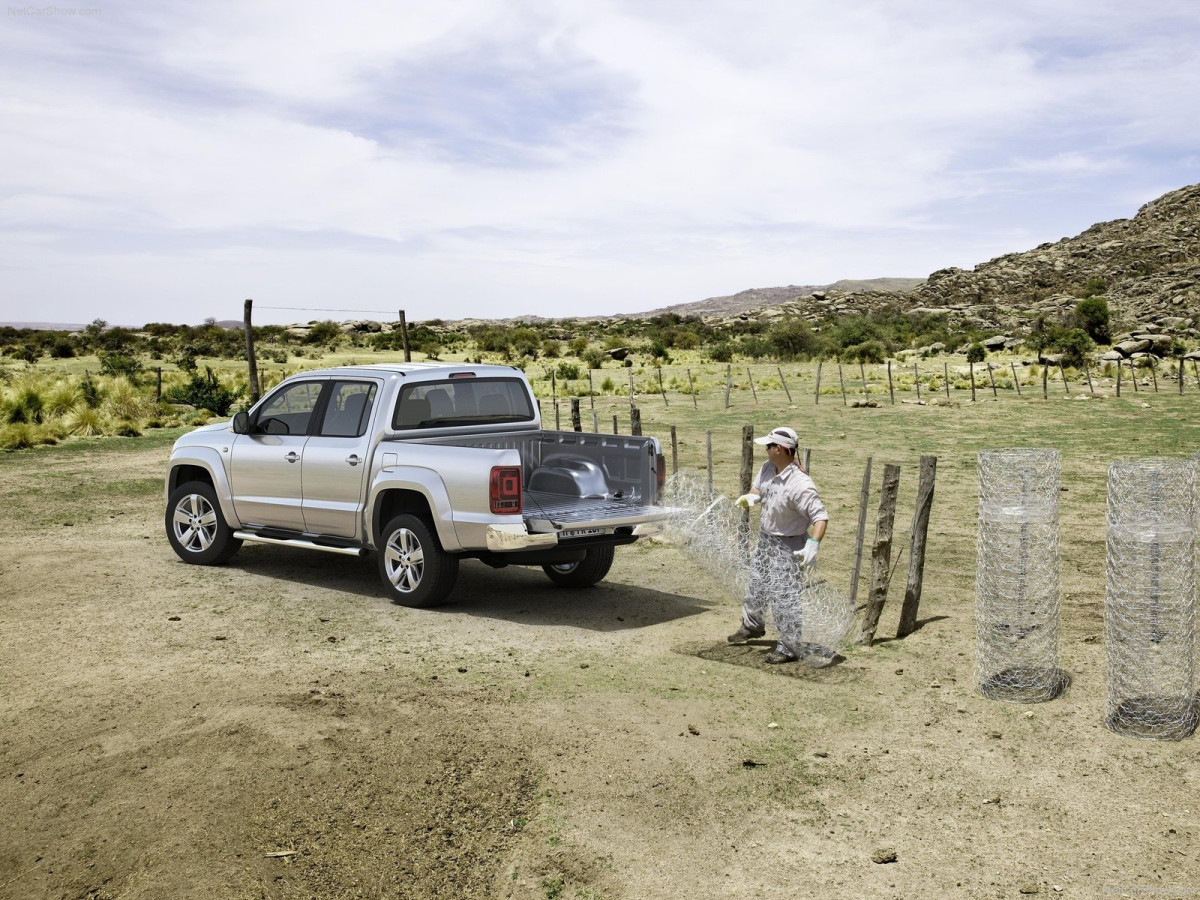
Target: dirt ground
(275,728)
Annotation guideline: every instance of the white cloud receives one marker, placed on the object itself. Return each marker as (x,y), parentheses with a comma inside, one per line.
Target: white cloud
(561,158)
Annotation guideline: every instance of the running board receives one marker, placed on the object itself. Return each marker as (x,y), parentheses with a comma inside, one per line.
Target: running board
(299,542)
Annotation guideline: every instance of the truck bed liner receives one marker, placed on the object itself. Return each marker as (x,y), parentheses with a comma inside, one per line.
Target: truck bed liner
(545,512)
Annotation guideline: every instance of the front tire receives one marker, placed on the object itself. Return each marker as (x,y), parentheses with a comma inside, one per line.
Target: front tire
(588,571)
(414,568)
(196,529)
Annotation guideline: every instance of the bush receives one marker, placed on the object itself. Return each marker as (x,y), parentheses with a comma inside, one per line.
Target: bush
(976,353)
(1075,346)
(594,358)
(204,392)
(1092,316)
(866,352)
(721,352)
(117,364)
(567,371)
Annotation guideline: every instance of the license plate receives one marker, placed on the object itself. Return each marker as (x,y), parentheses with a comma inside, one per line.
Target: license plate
(581,532)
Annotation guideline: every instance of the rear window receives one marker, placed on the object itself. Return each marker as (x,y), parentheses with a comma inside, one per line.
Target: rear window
(462,401)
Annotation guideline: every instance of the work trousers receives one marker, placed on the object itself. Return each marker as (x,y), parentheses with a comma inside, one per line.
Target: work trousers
(775,582)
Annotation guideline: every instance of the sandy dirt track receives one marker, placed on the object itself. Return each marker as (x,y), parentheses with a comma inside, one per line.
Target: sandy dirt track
(274,728)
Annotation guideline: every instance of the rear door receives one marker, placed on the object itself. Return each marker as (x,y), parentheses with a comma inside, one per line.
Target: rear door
(265,465)
(337,457)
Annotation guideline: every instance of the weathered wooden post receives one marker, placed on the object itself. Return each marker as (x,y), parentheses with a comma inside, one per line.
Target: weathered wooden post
(842,382)
(916,555)
(750,378)
(1181,375)
(1045,382)
(576,421)
(635,421)
(595,422)
(661,389)
(591,390)
(614,431)
(1119,377)
(891,391)
(992,382)
(1063,374)
(1087,370)
(674,451)
(631,403)
(972,365)
(692,389)
(728,384)
(917,380)
(1016,378)
(862,370)
(1154,375)
(817,391)
(158,389)
(746,480)
(1133,375)
(404,337)
(806,459)
(779,369)
(250,360)
(557,421)
(946,376)
(881,554)
(863,499)
(708,461)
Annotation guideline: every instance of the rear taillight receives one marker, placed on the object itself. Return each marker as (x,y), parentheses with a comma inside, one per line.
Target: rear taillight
(504,491)
(660,464)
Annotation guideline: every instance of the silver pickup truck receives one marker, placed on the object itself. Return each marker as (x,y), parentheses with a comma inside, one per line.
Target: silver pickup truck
(423,463)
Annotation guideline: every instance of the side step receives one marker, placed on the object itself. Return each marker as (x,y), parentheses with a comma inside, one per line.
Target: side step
(300,542)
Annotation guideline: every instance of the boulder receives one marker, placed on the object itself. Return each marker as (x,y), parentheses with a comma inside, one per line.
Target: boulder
(1130,347)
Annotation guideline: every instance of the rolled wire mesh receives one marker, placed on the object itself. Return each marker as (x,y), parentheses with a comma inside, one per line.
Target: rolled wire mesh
(1017,576)
(1150,602)
(812,616)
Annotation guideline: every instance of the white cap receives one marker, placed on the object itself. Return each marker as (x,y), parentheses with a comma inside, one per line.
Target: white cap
(784,437)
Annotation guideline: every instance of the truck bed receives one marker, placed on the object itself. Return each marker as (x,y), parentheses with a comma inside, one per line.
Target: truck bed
(545,512)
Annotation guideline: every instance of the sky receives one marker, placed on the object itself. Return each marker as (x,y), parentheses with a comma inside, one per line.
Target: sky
(494,158)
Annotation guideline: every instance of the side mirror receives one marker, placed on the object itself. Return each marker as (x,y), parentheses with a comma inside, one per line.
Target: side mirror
(241,423)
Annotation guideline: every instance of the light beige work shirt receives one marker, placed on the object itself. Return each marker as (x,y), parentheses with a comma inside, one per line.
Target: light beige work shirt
(790,503)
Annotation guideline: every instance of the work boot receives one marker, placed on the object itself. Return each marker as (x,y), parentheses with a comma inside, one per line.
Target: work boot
(744,634)
(780,654)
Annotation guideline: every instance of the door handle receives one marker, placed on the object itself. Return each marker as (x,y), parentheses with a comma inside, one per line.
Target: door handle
(293,457)
(353,459)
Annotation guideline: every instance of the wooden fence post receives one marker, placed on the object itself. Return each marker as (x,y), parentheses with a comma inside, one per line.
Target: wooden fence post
(746,480)
(1063,374)
(614,431)
(782,381)
(1154,375)
(916,556)
(817,392)
(1196,372)
(576,421)
(917,381)
(250,360)
(674,451)
(992,382)
(635,421)
(946,375)
(750,378)
(881,554)
(972,365)
(891,390)
(1087,370)
(692,389)
(404,337)
(1045,382)
(864,497)
(1119,367)
(1133,375)
(557,422)
(708,460)
(728,384)
(862,371)
(158,389)
(631,401)
(842,382)
(591,390)
(806,460)
(1016,379)
(1181,374)
(661,389)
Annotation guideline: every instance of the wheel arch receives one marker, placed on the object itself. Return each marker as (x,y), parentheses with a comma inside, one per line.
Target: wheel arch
(389,502)
(202,464)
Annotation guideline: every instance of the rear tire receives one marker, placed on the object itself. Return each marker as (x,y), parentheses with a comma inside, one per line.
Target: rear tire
(588,571)
(196,529)
(414,568)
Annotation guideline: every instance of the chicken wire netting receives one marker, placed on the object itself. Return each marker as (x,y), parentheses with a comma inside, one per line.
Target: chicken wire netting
(1150,603)
(1017,576)
(718,538)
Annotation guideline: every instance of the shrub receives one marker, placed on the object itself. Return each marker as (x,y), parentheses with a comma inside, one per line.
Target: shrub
(1075,346)
(976,353)
(1092,316)
(116,364)
(721,352)
(204,392)
(567,371)
(594,358)
(866,352)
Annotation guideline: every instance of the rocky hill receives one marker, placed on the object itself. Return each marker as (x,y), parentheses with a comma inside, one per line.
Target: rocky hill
(1147,267)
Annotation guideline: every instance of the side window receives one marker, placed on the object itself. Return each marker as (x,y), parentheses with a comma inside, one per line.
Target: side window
(290,410)
(349,409)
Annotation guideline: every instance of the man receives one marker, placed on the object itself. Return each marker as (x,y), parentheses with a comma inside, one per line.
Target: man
(790,531)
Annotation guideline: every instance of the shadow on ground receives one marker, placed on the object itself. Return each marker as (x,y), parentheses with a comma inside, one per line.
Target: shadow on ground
(751,656)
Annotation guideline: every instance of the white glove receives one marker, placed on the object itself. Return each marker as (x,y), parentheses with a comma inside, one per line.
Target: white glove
(747,500)
(808,555)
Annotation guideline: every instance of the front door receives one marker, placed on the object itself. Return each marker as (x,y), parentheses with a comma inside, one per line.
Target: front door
(265,466)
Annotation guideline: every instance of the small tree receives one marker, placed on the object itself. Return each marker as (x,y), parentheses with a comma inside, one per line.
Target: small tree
(1092,316)
(976,353)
